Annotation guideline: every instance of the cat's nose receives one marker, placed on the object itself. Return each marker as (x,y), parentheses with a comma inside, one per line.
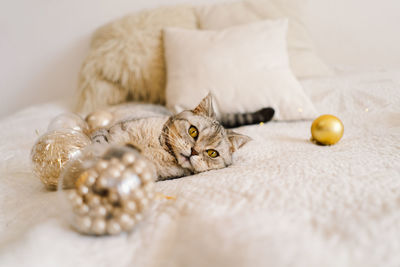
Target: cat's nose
(194,152)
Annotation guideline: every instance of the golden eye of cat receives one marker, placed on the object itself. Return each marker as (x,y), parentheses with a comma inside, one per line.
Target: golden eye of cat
(212,153)
(193,132)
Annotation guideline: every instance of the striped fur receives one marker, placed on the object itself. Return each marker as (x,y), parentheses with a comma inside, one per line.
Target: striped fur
(240,119)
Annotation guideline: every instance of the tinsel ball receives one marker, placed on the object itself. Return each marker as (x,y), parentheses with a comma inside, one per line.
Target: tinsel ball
(111,191)
(52,151)
(327,130)
(68,121)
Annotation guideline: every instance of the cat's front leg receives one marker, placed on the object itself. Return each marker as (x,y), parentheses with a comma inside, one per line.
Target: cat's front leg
(101,136)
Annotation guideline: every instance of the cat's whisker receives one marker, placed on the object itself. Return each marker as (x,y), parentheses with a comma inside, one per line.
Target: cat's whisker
(176,139)
(177,143)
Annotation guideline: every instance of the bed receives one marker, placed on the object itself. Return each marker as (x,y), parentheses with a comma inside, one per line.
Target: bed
(284,202)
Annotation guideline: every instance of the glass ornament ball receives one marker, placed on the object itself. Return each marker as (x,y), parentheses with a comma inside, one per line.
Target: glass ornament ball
(108,193)
(70,121)
(52,151)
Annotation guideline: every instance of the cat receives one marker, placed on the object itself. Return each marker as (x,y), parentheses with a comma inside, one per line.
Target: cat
(187,143)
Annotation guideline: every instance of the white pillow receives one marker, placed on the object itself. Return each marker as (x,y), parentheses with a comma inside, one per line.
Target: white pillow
(303,59)
(245,67)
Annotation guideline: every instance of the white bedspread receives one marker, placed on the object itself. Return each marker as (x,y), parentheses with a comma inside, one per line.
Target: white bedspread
(285,201)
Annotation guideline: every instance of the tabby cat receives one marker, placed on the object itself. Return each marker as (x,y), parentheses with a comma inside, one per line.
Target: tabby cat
(189,142)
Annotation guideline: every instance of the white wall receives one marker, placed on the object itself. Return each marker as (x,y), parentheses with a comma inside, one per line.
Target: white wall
(356,32)
(43,42)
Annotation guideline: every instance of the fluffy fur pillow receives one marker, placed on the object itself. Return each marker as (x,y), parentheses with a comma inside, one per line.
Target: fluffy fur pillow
(303,60)
(245,67)
(126,60)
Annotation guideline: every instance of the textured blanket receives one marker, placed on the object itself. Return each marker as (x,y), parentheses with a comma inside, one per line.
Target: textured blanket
(284,202)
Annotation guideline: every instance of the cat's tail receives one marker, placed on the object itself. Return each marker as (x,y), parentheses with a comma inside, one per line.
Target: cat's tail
(233,120)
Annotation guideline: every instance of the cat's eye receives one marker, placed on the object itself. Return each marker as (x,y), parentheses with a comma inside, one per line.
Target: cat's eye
(193,132)
(212,153)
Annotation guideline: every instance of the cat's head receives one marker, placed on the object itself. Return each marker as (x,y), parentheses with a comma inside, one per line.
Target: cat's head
(198,141)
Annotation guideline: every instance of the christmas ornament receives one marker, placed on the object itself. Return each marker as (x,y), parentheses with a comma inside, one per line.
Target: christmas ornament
(327,130)
(53,150)
(111,188)
(68,121)
(99,119)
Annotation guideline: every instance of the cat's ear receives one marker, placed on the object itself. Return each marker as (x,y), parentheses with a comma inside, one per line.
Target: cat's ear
(206,107)
(237,140)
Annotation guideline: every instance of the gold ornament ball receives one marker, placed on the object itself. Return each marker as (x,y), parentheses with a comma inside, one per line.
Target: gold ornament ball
(52,151)
(327,130)
(99,119)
